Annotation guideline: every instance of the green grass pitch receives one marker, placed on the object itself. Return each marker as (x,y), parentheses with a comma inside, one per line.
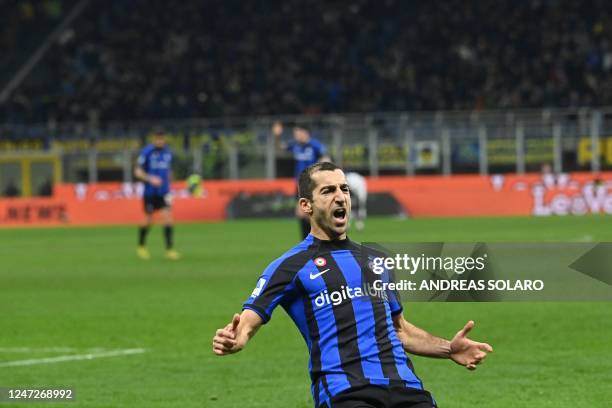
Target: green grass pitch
(84,288)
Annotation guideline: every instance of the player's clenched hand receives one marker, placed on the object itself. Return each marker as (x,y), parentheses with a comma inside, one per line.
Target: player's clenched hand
(277,129)
(155,181)
(466,352)
(225,341)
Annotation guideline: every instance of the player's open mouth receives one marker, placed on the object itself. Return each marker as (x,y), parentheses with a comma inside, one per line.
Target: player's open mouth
(339,215)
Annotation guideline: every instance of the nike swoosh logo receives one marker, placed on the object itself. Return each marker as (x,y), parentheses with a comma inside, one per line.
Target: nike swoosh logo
(316,275)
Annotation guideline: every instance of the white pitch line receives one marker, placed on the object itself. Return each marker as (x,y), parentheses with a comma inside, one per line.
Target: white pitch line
(76,357)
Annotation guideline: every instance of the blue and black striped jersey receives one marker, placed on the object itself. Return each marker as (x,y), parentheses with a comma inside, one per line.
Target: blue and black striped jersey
(305,154)
(327,287)
(157,162)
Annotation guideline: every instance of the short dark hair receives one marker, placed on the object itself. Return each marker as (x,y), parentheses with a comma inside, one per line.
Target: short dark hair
(305,183)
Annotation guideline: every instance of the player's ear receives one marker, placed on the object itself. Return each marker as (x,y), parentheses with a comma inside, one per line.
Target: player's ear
(305,205)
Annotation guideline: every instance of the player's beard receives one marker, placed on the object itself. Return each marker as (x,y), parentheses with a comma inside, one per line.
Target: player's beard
(325,220)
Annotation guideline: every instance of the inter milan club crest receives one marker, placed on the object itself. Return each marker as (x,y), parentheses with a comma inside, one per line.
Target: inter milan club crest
(320,261)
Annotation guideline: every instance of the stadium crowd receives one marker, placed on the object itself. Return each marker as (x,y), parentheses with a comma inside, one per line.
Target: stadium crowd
(143,59)
(23,26)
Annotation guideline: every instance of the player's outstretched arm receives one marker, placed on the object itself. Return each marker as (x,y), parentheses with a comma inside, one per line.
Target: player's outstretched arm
(277,131)
(234,337)
(460,349)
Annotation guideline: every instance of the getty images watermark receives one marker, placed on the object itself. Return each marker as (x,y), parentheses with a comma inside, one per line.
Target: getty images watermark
(527,271)
(457,265)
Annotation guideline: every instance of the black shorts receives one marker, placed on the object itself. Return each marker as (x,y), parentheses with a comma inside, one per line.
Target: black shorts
(154,203)
(371,396)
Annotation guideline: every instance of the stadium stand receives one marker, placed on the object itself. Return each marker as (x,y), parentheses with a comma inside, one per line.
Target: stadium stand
(23,26)
(149,59)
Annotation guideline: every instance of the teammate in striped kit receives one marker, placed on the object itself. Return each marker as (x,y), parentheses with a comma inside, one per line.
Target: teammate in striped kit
(305,151)
(155,169)
(357,336)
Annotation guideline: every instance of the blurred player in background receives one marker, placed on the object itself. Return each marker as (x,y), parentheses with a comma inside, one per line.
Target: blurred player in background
(306,151)
(155,169)
(357,339)
(359,192)
(194,185)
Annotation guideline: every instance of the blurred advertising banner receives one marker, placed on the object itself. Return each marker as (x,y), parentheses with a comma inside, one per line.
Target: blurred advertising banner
(277,204)
(427,154)
(422,196)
